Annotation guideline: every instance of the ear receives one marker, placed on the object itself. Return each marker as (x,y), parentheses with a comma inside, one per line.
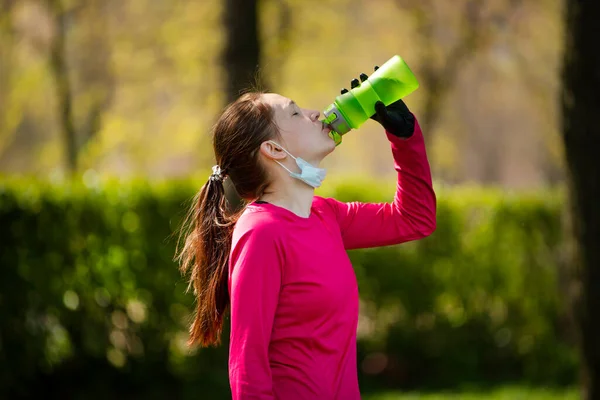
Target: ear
(272,151)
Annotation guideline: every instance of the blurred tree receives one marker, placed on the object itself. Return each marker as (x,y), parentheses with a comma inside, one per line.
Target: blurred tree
(242,48)
(60,73)
(581,135)
(6,50)
(241,59)
(92,69)
(88,67)
(167,74)
(541,24)
(276,28)
(443,58)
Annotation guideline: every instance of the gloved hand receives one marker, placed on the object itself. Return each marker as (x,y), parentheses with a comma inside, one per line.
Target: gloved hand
(395,118)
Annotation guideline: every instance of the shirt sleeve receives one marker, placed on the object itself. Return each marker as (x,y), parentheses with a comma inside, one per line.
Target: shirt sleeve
(255,281)
(412,214)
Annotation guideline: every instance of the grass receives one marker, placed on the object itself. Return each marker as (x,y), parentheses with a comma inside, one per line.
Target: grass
(505,393)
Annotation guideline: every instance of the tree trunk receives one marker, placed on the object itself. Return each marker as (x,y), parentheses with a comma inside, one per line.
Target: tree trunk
(59,70)
(242,49)
(581,134)
(94,70)
(7,45)
(240,61)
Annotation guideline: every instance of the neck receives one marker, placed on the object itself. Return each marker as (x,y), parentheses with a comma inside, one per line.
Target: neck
(291,194)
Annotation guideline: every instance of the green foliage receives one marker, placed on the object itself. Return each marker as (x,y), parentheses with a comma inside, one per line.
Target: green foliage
(477,301)
(506,393)
(92,302)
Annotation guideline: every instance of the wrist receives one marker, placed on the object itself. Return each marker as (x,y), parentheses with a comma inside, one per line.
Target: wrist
(401,124)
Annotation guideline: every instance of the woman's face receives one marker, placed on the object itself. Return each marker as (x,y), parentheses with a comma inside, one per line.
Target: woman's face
(301,131)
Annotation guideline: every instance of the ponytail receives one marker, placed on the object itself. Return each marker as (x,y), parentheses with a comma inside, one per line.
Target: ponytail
(238,134)
(208,231)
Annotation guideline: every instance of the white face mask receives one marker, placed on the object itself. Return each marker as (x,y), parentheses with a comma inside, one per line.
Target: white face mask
(309,174)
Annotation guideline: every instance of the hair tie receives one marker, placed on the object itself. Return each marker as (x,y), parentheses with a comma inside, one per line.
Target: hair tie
(217,174)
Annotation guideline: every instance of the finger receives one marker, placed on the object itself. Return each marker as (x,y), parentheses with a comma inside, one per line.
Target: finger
(363,77)
(354,83)
(381,111)
(344,90)
(380,107)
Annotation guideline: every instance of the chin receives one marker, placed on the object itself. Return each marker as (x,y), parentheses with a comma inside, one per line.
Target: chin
(329,147)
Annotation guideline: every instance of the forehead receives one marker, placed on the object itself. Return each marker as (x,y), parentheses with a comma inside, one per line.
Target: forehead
(278,102)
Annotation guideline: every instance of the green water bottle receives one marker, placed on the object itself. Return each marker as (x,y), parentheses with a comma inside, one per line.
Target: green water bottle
(391,82)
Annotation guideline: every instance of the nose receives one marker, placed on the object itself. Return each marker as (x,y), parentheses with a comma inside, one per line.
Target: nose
(314,115)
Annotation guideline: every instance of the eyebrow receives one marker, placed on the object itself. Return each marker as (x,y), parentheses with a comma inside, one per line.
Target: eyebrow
(291,103)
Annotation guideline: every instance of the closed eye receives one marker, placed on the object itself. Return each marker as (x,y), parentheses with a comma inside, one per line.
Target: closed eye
(296,113)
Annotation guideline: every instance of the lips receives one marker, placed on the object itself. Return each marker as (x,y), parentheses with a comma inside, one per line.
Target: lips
(325,126)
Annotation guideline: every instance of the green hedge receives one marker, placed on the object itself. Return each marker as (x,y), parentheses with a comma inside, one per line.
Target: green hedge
(92,305)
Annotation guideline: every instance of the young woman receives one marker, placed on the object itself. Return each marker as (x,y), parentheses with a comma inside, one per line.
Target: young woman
(280,265)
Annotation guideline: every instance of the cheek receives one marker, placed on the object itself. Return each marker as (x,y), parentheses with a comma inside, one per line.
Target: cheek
(291,140)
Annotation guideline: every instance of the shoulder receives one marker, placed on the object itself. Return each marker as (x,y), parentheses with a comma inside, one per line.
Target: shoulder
(257,236)
(320,203)
(257,224)
(326,205)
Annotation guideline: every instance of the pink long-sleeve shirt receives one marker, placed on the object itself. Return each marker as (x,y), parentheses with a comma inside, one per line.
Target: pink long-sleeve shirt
(294,294)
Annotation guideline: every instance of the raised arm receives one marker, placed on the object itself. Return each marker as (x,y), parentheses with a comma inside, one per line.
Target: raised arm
(412,214)
(254,285)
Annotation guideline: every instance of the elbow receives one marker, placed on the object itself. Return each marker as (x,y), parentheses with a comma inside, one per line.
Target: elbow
(428,227)
(430,222)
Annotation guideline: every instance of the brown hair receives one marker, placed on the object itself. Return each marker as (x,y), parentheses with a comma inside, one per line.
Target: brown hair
(208,229)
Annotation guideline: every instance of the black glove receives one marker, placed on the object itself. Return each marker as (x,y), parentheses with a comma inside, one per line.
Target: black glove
(395,118)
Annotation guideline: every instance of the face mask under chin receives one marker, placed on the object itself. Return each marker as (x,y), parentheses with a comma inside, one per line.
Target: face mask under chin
(309,174)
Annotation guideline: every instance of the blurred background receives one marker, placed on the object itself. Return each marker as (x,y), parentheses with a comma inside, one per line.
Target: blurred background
(141,82)
(106,108)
